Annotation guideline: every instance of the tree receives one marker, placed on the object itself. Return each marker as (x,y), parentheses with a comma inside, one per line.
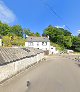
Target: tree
(13,40)
(28,32)
(66,32)
(4,29)
(7,41)
(59,36)
(67,41)
(76,43)
(17,30)
(37,34)
(18,41)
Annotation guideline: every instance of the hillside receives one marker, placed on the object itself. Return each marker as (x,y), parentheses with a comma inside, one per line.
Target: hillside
(59,37)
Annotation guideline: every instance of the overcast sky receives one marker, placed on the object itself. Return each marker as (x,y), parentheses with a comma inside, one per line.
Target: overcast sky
(36,15)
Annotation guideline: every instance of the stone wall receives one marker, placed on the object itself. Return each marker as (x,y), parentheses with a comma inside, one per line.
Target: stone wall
(8,70)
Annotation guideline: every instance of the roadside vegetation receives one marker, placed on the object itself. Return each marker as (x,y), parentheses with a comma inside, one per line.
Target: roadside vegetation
(14,35)
(58,47)
(10,41)
(60,38)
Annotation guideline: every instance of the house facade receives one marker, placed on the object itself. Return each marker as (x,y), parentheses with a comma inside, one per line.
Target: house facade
(41,43)
(38,42)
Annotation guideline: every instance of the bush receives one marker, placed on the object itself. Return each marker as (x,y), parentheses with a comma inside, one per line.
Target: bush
(77,49)
(9,41)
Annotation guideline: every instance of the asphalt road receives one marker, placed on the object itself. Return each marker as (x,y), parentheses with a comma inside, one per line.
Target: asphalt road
(57,74)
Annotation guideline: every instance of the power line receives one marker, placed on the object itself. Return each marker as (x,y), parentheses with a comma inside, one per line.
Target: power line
(54,13)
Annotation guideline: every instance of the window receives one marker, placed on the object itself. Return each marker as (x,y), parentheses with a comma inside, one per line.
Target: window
(37,43)
(30,43)
(51,48)
(44,43)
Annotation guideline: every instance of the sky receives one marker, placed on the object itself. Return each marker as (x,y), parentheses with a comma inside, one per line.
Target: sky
(39,14)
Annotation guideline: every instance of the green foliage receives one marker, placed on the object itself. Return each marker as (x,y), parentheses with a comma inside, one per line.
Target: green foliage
(77,49)
(13,41)
(28,32)
(67,41)
(65,32)
(76,43)
(59,36)
(17,30)
(58,47)
(18,41)
(37,34)
(4,29)
(13,35)
(7,41)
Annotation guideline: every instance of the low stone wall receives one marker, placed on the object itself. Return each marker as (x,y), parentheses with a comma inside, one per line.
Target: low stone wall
(6,71)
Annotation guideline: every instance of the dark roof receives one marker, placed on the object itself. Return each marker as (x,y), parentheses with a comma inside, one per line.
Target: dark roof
(38,39)
(2,61)
(8,55)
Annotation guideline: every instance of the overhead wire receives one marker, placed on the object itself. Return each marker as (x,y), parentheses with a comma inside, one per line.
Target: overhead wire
(53,12)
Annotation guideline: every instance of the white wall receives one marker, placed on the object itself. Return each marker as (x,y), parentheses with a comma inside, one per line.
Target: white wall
(53,50)
(43,47)
(6,71)
(40,46)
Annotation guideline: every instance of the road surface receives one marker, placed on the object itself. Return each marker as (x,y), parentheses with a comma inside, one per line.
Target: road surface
(57,74)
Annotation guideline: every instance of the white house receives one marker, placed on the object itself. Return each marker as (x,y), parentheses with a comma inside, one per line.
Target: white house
(0,41)
(40,43)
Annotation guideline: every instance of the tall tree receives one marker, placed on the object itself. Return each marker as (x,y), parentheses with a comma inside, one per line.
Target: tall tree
(59,36)
(76,43)
(28,32)
(37,34)
(4,29)
(17,30)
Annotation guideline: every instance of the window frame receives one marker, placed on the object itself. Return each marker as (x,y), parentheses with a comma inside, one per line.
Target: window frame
(44,43)
(30,44)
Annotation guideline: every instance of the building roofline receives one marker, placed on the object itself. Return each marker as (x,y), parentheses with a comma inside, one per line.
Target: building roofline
(37,39)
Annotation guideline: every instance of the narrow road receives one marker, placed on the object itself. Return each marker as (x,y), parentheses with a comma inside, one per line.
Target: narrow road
(57,74)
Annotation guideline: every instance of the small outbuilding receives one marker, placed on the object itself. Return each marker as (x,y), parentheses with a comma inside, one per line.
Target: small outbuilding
(53,50)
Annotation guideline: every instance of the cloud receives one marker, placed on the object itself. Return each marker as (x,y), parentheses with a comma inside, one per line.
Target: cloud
(78,31)
(6,15)
(60,26)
